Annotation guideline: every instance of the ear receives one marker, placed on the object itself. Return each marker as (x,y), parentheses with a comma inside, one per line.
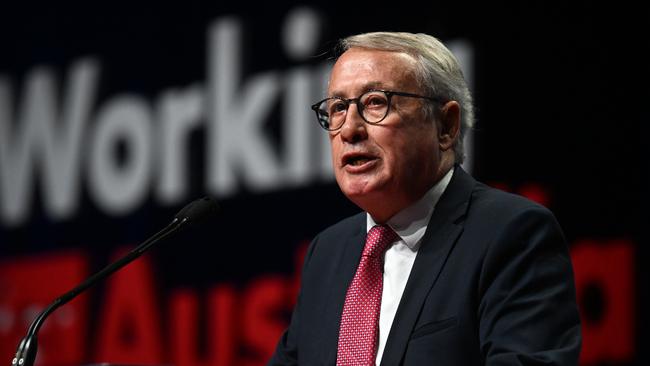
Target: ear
(449,127)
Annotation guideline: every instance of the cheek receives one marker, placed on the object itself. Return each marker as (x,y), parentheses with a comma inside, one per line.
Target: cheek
(401,147)
(416,151)
(334,150)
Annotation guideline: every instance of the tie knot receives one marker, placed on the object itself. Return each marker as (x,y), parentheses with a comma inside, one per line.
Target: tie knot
(378,239)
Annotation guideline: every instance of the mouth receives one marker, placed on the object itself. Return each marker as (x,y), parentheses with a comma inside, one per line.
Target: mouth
(357,159)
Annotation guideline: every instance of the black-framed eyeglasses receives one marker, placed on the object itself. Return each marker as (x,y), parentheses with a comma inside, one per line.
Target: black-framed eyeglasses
(373,106)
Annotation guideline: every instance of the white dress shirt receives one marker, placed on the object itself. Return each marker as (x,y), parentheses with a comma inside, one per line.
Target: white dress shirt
(410,224)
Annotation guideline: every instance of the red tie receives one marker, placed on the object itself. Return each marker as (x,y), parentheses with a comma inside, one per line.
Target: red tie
(359,332)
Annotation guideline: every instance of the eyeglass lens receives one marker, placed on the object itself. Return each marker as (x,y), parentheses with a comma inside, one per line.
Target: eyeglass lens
(372,105)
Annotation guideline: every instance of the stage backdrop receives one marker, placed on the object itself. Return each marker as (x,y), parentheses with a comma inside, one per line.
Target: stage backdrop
(114,115)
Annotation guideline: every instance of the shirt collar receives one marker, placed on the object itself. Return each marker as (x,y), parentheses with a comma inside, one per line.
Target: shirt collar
(411,223)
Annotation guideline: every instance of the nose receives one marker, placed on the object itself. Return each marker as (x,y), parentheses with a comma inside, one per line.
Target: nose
(354,127)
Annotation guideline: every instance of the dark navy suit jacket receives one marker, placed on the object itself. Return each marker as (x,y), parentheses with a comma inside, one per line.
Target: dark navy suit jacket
(492,284)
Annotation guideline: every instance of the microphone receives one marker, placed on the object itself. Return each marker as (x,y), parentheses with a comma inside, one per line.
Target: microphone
(193,213)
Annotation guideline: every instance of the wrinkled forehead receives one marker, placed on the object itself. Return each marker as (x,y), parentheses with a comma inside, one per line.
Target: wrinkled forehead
(358,70)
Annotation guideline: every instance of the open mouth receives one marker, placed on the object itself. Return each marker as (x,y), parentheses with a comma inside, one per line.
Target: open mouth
(357,159)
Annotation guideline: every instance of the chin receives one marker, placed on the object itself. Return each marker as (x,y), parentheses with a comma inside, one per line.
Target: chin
(361,192)
(351,193)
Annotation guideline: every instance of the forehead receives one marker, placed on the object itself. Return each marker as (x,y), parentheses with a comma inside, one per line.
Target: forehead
(359,69)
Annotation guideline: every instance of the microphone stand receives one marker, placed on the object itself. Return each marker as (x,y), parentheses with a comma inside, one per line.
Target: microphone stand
(196,210)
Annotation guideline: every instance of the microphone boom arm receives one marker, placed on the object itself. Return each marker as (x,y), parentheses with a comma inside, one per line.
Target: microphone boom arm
(193,212)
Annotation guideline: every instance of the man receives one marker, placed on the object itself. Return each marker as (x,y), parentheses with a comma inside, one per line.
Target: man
(464,274)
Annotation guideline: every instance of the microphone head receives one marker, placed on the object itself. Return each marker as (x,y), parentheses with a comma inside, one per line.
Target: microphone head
(198,210)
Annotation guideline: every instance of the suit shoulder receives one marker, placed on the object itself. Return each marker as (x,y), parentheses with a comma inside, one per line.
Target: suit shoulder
(493,212)
(492,201)
(498,221)
(345,227)
(333,239)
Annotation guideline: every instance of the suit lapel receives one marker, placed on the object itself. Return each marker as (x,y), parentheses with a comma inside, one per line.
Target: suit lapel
(444,228)
(347,266)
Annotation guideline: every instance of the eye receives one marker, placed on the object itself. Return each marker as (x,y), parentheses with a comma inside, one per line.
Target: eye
(337,106)
(375,100)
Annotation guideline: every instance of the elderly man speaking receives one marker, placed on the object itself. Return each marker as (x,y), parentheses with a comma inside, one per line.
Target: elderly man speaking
(439,269)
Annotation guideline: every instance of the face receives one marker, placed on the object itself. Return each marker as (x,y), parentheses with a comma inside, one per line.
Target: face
(383,168)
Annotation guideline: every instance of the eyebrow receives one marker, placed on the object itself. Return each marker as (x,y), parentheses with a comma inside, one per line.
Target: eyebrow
(366,87)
